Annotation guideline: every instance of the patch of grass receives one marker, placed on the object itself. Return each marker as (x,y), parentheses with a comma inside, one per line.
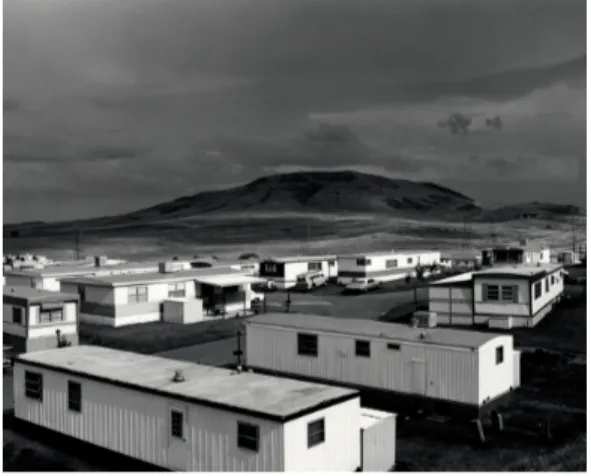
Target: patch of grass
(157,337)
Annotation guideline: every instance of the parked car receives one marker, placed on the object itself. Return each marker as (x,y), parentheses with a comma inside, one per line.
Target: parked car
(308,281)
(362,285)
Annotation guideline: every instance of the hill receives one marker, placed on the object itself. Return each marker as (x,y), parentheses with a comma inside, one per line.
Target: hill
(336,193)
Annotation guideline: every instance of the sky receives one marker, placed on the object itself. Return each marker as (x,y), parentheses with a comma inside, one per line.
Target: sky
(113,105)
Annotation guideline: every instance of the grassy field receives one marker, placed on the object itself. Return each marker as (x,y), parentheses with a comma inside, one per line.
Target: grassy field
(228,237)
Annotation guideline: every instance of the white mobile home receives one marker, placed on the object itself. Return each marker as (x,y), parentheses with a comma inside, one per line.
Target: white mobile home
(181,296)
(284,271)
(384,266)
(50,277)
(36,319)
(507,297)
(457,371)
(188,417)
(524,253)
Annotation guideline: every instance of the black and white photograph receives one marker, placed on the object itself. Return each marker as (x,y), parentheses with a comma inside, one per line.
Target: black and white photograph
(294,236)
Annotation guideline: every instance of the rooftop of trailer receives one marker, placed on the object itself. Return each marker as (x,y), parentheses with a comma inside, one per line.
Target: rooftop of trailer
(374,329)
(37,296)
(156,277)
(387,253)
(268,397)
(300,259)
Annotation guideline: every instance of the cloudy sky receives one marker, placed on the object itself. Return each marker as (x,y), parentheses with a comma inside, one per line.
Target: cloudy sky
(111,105)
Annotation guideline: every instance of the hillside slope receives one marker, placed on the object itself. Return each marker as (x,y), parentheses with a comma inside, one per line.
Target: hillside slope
(320,192)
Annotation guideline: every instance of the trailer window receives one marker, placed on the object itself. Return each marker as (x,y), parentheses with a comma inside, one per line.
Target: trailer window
(176,290)
(138,294)
(315,433)
(363,262)
(509,294)
(34,385)
(490,292)
(176,424)
(392,346)
(362,348)
(317,266)
(248,436)
(17,315)
(409,261)
(308,344)
(537,290)
(500,355)
(547,285)
(51,315)
(391,263)
(74,396)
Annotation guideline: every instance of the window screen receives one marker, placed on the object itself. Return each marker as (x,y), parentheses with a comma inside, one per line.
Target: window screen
(74,396)
(315,433)
(176,424)
(34,385)
(248,436)
(362,348)
(308,344)
(500,355)
(509,293)
(537,290)
(490,292)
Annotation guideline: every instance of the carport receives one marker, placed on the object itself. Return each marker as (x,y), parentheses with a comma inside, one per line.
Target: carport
(226,294)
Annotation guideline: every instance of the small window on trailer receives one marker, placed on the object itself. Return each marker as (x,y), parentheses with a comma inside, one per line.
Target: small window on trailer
(509,293)
(547,285)
(409,260)
(316,434)
(315,266)
(391,263)
(34,385)
(176,290)
(499,355)
(51,315)
(393,346)
(74,396)
(248,436)
(17,315)
(138,294)
(552,279)
(331,262)
(537,290)
(270,267)
(363,262)
(490,292)
(308,344)
(362,348)
(177,424)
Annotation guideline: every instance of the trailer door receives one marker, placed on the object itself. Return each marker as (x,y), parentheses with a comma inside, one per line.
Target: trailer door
(178,437)
(419,376)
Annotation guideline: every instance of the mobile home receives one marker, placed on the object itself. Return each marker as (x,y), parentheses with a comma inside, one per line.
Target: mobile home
(50,277)
(188,417)
(36,319)
(284,271)
(384,266)
(522,254)
(500,297)
(171,296)
(446,369)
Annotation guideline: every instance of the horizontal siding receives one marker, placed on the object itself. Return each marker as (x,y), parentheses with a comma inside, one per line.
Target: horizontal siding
(452,374)
(136,424)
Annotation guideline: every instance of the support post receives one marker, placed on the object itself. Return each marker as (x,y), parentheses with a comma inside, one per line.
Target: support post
(497,420)
(479,430)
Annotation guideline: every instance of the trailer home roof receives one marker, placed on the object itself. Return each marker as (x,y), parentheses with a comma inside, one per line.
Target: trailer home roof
(56,271)
(460,280)
(385,253)
(29,296)
(374,329)
(300,259)
(148,278)
(258,395)
(530,272)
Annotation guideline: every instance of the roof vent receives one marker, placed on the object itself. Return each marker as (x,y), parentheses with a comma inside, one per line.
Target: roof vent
(178,376)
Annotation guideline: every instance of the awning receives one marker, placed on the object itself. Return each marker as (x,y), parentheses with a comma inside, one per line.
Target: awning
(226,281)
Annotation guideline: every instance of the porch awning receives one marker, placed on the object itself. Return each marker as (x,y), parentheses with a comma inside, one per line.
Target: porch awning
(227,281)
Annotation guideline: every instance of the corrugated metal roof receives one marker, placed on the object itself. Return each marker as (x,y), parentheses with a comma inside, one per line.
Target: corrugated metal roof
(370,328)
(272,396)
(147,278)
(33,295)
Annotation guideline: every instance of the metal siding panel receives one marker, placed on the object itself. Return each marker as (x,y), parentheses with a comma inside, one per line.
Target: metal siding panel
(341,448)
(136,424)
(379,446)
(276,349)
(494,380)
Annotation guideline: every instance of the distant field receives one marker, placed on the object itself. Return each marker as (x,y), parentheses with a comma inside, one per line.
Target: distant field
(228,237)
